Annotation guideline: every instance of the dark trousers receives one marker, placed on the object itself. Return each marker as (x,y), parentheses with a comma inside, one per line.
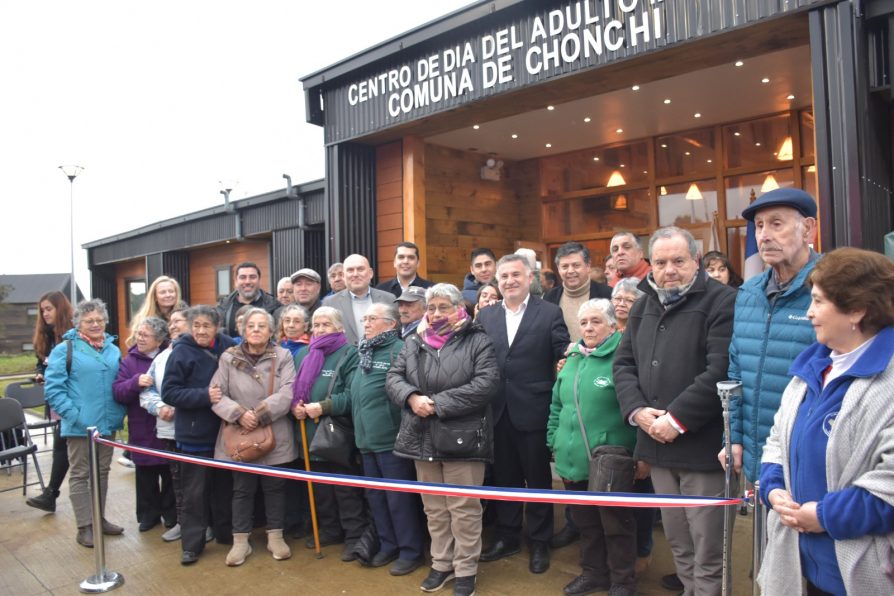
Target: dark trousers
(176,483)
(396,514)
(645,518)
(297,515)
(155,494)
(341,510)
(607,540)
(60,461)
(521,458)
(245,486)
(207,499)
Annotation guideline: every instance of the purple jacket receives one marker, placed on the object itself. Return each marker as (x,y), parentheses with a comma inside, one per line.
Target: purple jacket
(140,423)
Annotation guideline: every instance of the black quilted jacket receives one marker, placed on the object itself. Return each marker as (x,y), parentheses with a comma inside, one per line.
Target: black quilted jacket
(461,378)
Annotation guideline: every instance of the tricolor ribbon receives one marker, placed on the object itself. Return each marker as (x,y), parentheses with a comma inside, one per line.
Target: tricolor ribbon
(528,495)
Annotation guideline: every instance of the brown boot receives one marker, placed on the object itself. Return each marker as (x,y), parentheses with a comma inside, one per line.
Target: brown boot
(278,546)
(239,551)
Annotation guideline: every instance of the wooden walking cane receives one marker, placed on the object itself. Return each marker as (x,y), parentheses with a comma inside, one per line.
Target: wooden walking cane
(310,492)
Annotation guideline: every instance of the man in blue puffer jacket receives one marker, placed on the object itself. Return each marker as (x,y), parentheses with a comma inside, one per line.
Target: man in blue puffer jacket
(771,326)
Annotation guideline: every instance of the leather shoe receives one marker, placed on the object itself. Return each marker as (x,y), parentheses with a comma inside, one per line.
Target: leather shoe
(539,553)
(584,584)
(110,529)
(405,566)
(671,582)
(188,557)
(381,558)
(498,550)
(85,536)
(564,537)
(324,541)
(147,525)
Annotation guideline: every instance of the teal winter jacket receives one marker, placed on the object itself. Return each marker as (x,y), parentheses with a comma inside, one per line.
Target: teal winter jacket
(84,397)
(765,342)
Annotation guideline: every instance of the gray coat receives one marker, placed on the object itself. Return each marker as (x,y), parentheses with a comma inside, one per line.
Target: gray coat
(342,302)
(244,386)
(462,378)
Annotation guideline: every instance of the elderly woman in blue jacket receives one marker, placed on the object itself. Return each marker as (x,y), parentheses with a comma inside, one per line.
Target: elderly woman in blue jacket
(79,388)
(828,466)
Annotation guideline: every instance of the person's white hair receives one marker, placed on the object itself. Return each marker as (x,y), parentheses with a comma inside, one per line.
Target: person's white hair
(603,305)
(252,312)
(530,255)
(283,281)
(627,285)
(334,315)
(448,291)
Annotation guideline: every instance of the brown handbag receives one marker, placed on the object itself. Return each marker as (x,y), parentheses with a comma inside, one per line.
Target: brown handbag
(245,445)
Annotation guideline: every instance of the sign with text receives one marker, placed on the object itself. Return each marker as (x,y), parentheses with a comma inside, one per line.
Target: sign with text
(538,46)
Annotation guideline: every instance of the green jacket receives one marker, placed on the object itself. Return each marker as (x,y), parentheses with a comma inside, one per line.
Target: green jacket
(601,413)
(319,392)
(376,418)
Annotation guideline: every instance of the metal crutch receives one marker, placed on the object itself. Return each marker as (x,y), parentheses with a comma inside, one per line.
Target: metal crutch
(727,390)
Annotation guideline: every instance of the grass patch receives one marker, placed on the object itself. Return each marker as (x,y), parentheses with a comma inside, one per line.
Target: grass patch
(11,364)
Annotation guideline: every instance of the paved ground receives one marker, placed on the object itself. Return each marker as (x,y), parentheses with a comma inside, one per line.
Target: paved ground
(39,555)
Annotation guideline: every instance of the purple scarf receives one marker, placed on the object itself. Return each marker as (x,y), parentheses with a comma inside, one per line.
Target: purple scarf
(309,371)
(439,333)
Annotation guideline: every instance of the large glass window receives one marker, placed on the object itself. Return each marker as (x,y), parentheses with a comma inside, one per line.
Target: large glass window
(602,213)
(684,154)
(742,190)
(688,203)
(595,169)
(223,281)
(757,142)
(136,294)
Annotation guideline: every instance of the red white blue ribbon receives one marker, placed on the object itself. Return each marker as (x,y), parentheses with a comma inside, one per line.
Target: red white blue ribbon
(528,495)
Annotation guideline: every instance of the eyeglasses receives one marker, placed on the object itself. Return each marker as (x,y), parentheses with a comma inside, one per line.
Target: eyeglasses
(622,300)
(373,319)
(93,322)
(444,309)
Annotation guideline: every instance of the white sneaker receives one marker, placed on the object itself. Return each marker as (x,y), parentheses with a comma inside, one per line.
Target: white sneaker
(125,462)
(172,534)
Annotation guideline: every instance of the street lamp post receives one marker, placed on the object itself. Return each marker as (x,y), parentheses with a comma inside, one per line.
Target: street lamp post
(72,172)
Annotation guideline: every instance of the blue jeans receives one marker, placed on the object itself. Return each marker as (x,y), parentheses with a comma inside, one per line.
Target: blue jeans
(396,514)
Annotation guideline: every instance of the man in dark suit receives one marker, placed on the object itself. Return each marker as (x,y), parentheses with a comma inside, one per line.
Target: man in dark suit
(529,336)
(353,301)
(406,263)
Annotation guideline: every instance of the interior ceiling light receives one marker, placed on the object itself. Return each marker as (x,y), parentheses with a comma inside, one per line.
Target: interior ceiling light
(476,127)
(758,144)
(765,80)
(662,191)
(619,130)
(710,161)
(623,166)
(697,115)
(739,63)
(596,158)
(769,184)
(737,134)
(549,145)
(790,97)
(635,87)
(667,101)
(811,169)
(687,153)
(664,145)
(550,108)
(514,136)
(694,194)
(620,203)
(616,179)
(587,119)
(785,150)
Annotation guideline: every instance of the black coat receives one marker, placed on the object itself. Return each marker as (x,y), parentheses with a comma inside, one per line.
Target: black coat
(461,378)
(393,286)
(672,360)
(187,374)
(230,305)
(528,366)
(597,290)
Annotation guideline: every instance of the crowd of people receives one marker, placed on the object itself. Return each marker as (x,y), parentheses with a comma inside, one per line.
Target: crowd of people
(488,383)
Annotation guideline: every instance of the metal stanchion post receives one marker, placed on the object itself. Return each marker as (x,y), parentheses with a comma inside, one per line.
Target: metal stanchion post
(726,390)
(104,580)
(760,533)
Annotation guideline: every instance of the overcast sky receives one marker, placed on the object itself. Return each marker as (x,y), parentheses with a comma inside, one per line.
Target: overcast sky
(159,101)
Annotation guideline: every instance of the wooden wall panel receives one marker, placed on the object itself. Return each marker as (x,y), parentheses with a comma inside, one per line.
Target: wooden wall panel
(203,264)
(465,212)
(123,272)
(389,206)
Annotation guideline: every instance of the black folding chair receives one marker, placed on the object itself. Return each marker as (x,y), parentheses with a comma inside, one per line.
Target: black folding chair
(16,443)
(30,395)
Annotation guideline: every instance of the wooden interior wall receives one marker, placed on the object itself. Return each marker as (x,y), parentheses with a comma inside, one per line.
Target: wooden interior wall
(123,272)
(464,212)
(204,262)
(389,206)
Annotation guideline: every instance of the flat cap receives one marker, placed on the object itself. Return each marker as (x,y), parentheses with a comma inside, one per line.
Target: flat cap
(783,197)
(308,273)
(411,294)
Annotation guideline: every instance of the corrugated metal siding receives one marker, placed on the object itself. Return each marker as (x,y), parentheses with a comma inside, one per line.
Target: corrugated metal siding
(287,252)
(176,265)
(350,183)
(682,21)
(194,233)
(103,286)
(315,252)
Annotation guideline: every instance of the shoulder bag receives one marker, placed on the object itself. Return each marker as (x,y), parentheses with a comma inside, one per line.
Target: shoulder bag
(245,445)
(612,468)
(334,437)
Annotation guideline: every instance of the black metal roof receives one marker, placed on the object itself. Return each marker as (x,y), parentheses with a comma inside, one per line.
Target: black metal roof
(28,288)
